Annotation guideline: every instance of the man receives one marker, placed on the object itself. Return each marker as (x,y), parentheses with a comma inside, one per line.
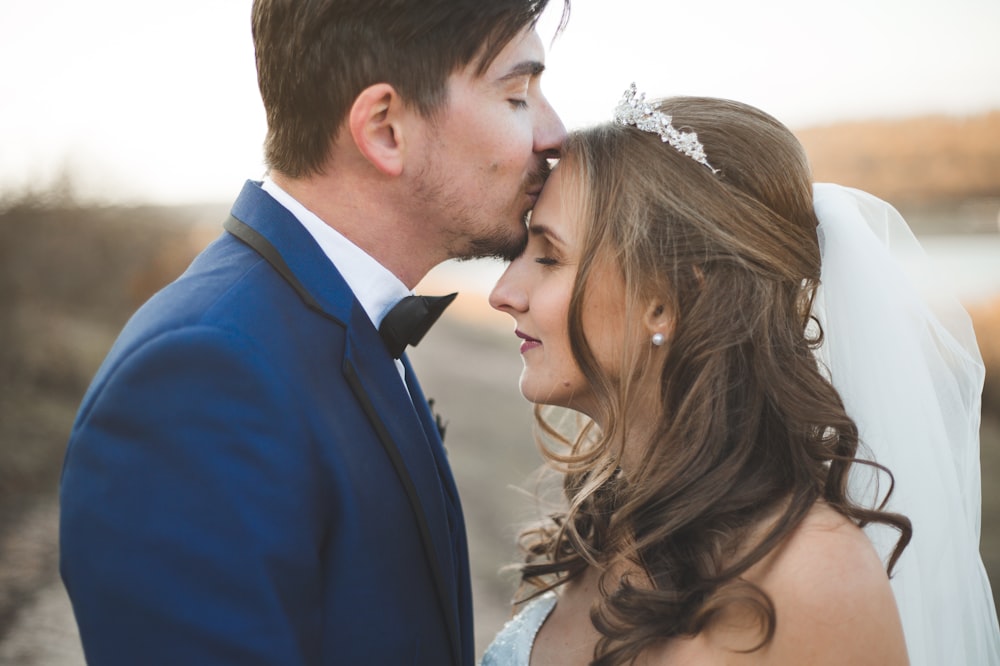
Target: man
(252,477)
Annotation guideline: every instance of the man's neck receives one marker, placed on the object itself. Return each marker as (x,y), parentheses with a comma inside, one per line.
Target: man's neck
(368,218)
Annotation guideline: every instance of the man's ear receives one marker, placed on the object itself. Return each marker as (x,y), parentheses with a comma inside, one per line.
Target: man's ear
(376,125)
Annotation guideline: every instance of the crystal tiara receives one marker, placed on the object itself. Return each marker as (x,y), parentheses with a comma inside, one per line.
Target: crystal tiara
(633,109)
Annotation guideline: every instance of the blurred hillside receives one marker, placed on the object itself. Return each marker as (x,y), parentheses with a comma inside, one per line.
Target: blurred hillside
(70,276)
(913,161)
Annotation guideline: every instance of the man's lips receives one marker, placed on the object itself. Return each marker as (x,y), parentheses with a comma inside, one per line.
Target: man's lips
(529,342)
(536,183)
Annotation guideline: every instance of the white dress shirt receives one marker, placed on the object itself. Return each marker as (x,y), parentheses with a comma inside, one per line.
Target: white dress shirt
(375,286)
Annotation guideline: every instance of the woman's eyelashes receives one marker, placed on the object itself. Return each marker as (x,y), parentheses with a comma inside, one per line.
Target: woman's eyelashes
(542,251)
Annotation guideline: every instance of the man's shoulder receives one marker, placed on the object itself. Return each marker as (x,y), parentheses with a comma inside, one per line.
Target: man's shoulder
(227,288)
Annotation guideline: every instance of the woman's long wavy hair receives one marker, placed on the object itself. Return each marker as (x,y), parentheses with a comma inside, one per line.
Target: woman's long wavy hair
(749,432)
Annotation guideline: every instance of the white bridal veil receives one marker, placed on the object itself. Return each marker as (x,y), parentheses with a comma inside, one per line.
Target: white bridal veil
(904,358)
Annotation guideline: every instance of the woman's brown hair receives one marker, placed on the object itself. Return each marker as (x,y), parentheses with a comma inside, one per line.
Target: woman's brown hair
(749,433)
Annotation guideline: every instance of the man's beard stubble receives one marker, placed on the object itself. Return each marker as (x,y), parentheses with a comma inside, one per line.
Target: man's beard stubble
(498,241)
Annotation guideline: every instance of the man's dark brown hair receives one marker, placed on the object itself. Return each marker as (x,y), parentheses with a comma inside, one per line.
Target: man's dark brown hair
(315,56)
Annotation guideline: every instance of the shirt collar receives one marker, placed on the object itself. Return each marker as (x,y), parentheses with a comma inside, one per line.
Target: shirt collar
(375,286)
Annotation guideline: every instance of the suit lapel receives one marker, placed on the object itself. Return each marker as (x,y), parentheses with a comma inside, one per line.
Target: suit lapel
(263,224)
(459,540)
(410,448)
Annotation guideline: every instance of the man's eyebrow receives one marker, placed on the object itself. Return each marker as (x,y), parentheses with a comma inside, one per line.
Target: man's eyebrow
(530,68)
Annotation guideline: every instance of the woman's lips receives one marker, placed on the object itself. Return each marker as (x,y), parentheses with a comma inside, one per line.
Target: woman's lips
(529,342)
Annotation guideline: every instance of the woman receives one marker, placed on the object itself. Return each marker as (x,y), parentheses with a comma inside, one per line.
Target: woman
(680,290)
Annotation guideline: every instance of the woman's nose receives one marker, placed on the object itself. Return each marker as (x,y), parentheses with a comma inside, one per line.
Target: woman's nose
(506,296)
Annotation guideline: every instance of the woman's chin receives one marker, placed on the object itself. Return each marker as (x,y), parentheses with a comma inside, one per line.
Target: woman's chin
(533,395)
(546,395)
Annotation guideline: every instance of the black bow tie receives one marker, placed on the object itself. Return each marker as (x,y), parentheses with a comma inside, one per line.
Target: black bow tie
(408,321)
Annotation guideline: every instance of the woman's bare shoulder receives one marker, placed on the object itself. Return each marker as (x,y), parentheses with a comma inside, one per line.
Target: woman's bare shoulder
(832,600)
(828,554)
(832,596)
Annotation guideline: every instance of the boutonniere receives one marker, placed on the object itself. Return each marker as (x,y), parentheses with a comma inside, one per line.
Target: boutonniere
(441,426)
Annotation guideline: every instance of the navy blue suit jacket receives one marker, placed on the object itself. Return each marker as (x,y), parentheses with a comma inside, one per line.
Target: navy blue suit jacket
(249,482)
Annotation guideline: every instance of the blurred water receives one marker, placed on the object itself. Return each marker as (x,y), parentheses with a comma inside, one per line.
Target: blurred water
(968,264)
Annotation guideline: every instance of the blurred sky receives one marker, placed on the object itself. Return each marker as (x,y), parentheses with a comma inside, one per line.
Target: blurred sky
(158,101)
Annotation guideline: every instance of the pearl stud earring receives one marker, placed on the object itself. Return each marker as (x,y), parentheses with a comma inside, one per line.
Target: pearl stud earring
(658,339)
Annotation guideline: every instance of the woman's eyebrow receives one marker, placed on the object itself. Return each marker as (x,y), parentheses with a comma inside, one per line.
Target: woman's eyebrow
(548,232)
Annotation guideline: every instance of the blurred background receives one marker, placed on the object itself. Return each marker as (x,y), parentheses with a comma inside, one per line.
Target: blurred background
(127,128)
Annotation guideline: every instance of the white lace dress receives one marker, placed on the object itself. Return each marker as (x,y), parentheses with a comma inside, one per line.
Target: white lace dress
(512,645)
